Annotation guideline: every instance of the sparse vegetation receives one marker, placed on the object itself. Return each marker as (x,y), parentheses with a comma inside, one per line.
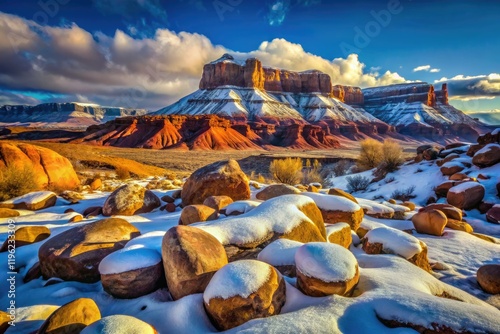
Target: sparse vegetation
(404,194)
(312,173)
(16,182)
(370,155)
(392,156)
(357,183)
(288,171)
(122,173)
(341,167)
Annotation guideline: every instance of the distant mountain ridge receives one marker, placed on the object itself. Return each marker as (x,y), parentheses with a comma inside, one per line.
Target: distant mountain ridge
(71,114)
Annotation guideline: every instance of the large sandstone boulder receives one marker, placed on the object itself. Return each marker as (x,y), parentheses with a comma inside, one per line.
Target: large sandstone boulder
(488,277)
(217,179)
(71,317)
(450,211)
(129,200)
(487,156)
(34,201)
(386,240)
(131,272)
(458,225)
(293,217)
(451,168)
(466,196)
(338,209)
(242,291)
(191,257)
(493,214)
(275,190)
(430,222)
(74,255)
(119,323)
(325,269)
(26,235)
(50,168)
(197,213)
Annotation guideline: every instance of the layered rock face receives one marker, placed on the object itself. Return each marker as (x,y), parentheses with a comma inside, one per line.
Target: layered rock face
(408,93)
(209,132)
(226,71)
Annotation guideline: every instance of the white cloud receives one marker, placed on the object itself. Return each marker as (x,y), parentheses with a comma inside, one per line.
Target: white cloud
(422,68)
(129,71)
(473,87)
(427,68)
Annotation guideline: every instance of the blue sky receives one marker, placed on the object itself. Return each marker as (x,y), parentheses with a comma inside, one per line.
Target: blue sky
(148,53)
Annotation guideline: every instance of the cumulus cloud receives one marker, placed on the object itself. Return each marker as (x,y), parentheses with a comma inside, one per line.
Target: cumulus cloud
(139,72)
(426,68)
(479,87)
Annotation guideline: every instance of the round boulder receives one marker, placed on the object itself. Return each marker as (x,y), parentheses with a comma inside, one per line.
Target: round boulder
(430,222)
(450,211)
(71,317)
(217,202)
(50,168)
(8,213)
(131,272)
(493,214)
(34,201)
(197,213)
(275,190)
(339,234)
(488,277)
(325,269)
(487,156)
(119,323)
(242,291)
(75,254)
(191,257)
(340,192)
(220,178)
(466,196)
(129,200)
(27,235)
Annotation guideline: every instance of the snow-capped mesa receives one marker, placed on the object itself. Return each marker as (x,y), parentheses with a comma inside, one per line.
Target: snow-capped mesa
(62,115)
(233,88)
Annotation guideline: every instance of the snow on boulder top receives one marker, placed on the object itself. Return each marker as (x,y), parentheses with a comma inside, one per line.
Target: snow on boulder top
(333,203)
(396,241)
(464,186)
(487,148)
(325,261)
(280,214)
(495,132)
(280,252)
(240,278)
(397,207)
(241,206)
(119,323)
(151,240)
(374,208)
(33,197)
(127,259)
(452,163)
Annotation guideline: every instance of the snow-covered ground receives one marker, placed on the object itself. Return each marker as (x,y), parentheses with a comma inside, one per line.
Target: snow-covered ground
(390,287)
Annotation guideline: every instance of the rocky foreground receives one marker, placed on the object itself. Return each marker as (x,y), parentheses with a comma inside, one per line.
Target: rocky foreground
(220,252)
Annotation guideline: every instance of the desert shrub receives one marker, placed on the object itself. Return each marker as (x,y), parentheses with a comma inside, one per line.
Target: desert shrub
(370,155)
(390,179)
(404,194)
(392,156)
(357,183)
(313,172)
(122,173)
(261,178)
(341,167)
(16,182)
(287,170)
